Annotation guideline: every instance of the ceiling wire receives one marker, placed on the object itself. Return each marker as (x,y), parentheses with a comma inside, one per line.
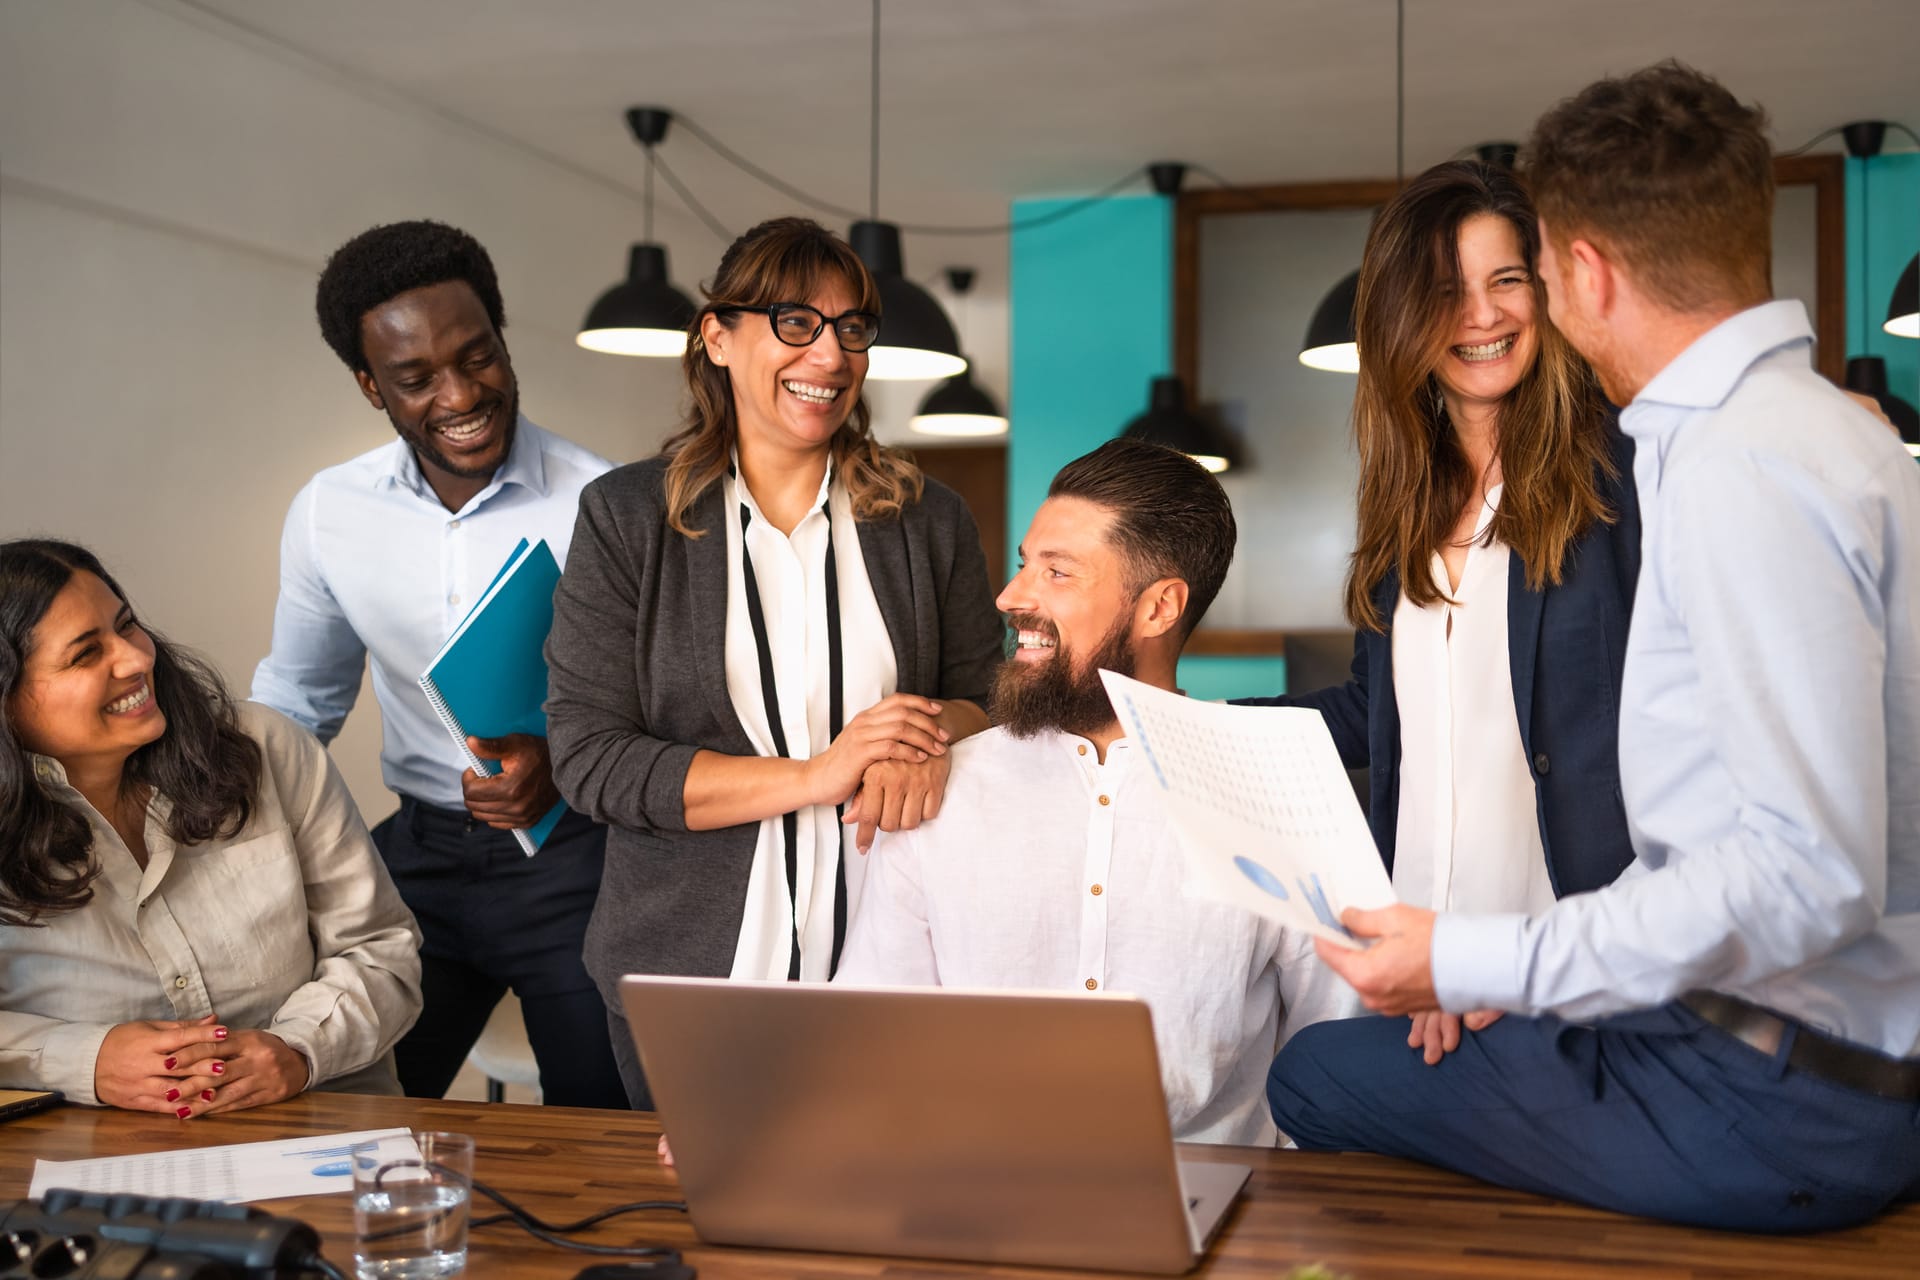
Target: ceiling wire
(1399,93)
(687,198)
(873,153)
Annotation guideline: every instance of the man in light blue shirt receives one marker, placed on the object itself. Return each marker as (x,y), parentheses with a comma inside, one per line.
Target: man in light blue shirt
(1729,1034)
(380,559)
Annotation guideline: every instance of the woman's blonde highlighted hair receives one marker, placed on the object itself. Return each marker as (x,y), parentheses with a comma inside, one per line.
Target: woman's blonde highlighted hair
(1415,479)
(782,260)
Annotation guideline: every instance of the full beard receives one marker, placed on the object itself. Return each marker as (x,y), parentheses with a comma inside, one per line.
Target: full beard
(1051,697)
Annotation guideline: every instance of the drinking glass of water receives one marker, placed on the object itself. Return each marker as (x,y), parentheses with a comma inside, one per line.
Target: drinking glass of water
(410,1194)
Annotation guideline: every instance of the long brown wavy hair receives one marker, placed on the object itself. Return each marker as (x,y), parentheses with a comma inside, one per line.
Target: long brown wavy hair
(204,763)
(781,260)
(1415,478)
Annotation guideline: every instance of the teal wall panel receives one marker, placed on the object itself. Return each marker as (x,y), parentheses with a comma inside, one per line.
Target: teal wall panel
(1091,325)
(1883,233)
(1213,678)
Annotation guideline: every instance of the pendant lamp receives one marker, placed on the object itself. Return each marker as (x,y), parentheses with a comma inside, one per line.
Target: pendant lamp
(917,340)
(1330,343)
(643,315)
(1903,311)
(1168,421)
(957,407)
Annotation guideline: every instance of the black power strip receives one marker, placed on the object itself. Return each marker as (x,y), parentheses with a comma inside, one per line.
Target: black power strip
(74,1235)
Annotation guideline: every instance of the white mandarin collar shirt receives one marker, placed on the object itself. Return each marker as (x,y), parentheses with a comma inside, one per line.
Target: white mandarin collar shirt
(1770,717)
(290,926)
(1468,832)
(791,573)
(372,566)
(1050,870)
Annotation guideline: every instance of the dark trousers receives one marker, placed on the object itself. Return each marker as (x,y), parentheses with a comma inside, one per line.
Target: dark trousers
(1659,1114)
(639,1093)
(491,918)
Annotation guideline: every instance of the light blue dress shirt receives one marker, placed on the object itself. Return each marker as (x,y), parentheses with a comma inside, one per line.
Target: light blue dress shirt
(372,565)
(1770,718)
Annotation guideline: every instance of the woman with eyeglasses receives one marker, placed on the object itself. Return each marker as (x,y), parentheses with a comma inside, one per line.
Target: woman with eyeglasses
(765,640)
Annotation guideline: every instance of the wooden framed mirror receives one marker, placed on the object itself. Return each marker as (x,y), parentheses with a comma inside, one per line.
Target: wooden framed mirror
(1250,265)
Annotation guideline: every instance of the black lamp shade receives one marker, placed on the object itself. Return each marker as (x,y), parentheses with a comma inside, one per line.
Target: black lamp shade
(1329,343)
(916,338)
(959,408)
(1168,421)
(1903,311)
(643,315)
(1868,376)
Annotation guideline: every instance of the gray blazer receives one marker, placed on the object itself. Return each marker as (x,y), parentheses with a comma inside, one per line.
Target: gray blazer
(638,684)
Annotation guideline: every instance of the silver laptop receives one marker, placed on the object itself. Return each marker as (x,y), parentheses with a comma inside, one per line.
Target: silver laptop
(924,1122)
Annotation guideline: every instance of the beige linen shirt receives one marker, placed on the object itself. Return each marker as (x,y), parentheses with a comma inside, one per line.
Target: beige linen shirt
(292,926)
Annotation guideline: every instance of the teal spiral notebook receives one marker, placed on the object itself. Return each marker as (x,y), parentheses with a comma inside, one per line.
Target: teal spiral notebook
(490,677)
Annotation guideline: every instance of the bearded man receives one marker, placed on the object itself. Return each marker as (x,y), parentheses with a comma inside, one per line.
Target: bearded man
(1053,865)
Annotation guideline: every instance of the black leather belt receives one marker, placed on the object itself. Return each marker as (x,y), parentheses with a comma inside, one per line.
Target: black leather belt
(1851,1066)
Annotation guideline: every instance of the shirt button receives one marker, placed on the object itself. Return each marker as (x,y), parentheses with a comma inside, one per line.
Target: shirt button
(1541,765)
(1096,891)
(1093,984)
(454,598)
(1105,800)
(453,524)
(180,983)
(1083,748)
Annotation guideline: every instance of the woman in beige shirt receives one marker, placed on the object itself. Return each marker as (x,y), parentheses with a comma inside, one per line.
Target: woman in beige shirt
(192,917)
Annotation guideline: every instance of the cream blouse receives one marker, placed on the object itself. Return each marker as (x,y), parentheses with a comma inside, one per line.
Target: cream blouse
(292,927)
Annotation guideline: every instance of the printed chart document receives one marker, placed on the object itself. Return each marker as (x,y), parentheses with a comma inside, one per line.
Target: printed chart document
(1266,816)
(242,1172)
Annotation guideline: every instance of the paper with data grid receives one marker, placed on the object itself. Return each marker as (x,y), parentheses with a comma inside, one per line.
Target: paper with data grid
(1266,816)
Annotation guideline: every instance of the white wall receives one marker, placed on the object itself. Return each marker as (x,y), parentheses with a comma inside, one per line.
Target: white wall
(168,193)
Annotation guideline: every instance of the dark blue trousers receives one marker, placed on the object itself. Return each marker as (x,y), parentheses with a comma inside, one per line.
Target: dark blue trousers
(1659,1114)
(491,918)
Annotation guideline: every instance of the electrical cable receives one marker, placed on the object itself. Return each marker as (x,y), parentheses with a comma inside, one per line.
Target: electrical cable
(1812,142)
(1400,94)
(326,1270)
(687,197)
(556,1233)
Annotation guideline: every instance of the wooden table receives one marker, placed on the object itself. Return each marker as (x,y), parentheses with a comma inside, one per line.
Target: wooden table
(1365,1216)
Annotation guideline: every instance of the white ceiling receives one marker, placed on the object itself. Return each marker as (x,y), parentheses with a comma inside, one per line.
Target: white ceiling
(984,101)
(988,101)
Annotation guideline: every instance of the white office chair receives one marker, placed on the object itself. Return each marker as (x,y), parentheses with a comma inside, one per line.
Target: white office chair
(502,1053)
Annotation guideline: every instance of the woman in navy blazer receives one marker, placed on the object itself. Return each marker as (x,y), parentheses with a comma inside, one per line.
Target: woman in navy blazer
(1480,427)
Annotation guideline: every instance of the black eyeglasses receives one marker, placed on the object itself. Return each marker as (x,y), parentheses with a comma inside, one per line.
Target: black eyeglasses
(797,324)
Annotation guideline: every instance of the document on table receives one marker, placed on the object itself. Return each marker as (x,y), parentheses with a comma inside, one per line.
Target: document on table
(242,1172)
(1266,816)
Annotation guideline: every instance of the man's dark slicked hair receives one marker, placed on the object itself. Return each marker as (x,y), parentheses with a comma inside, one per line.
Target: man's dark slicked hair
(384,262)
(1171,519)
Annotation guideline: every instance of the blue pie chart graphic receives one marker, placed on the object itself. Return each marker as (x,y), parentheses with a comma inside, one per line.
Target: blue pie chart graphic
(1262,877)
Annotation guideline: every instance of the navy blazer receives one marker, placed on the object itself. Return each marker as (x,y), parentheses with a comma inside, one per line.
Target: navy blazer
(1567,646)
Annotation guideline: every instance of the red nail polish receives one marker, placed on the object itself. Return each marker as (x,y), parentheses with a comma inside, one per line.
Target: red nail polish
(168,1064)
(219,1033)
(184,1112)
(173,1095)
(218,1068)
(206,1095)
